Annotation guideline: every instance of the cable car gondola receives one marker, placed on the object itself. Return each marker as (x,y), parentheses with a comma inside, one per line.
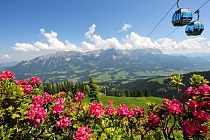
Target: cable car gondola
(182,16)
(194,28)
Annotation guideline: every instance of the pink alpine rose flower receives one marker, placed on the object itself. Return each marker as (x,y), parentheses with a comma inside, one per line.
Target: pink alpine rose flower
(38,100)
(63,122)
(205,105)
(27,88)
(124,110)
(110,110)
(193,106)
(83,133)
(36,115)
(62,93)
(175,107)
(166,102)
(201,115)
(153,121)
(188,91)
(58,105)
(196,91)
(139,111)
(204,89)
(7,75)
(204,130)
(185,128)
(22,82)
(35,80)
(96,109)
(79,96)
(47,98)
(109,102)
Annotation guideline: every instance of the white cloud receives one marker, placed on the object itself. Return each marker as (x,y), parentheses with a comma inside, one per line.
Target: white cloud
(95,42)
(41,45)
(166,44)
(196,44)
(99,42)
(90,32)
(125,27)
(191,43)
(52,43)
(114,43)
(134,41)
(6,56)
(70,46)
(88,47)
(25,47)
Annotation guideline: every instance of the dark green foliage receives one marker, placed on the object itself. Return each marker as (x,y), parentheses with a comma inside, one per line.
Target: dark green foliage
(127,93)
(66,86)
(147,93)
(93,95)
(132,89)
(140,93)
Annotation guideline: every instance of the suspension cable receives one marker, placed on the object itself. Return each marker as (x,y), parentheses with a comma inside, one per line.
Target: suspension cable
(149,34)
(164,38)
(201,6)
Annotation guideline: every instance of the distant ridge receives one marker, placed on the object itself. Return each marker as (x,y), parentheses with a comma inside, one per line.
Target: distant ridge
(104,65)
(7,64)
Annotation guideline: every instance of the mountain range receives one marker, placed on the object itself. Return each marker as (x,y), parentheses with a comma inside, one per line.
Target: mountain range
(105,65)
(7,64)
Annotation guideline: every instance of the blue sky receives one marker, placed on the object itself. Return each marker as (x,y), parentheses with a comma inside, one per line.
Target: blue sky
(30,28)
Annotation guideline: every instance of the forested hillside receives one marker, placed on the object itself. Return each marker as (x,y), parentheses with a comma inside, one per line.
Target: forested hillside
(159,87)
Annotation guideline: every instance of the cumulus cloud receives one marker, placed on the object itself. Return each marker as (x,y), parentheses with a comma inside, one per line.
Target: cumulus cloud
(135,41)
(52,40)
(125,27)
(196,44)
(166,44)
(6,56)
(52,43)
(191,43)
(90,32)
(95,42)
(25,47)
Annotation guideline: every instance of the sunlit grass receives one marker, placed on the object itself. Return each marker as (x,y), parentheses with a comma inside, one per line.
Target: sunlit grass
(128,101)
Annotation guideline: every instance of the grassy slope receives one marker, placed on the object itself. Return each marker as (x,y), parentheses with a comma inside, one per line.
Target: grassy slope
(129,101)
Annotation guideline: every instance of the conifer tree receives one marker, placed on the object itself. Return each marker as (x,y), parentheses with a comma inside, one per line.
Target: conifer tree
(140,93)
(147,93)
(127,93)
(54,90)
(93,95)
(47,87)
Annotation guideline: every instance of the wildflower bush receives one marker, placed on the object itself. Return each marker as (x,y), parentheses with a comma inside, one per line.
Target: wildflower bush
(27,112)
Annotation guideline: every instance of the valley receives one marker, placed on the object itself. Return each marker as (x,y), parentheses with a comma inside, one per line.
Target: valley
(109,65)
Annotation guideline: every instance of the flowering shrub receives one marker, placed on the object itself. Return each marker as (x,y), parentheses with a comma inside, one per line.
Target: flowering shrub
(27,112)
(63,122)
(96,109)
(83,133)
(36,115)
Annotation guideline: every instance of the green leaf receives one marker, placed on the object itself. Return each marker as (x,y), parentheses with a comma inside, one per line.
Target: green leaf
(198,80)
(103,136)
(47,135)
(10,109)
(15,116)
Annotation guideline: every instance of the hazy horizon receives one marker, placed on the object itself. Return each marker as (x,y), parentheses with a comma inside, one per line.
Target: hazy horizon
(33,28)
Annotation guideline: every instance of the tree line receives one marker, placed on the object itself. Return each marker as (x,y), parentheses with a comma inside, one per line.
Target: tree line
(91,89)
